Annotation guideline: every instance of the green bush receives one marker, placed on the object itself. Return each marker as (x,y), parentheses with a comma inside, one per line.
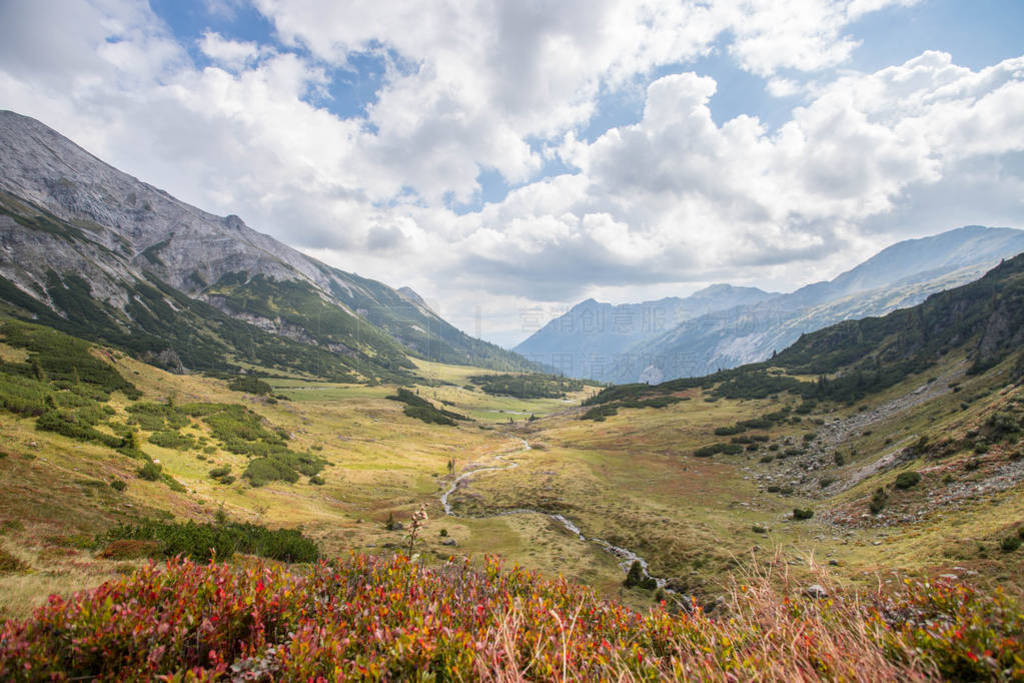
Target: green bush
(727,448)
(638,577)
(201,541)
(282,466)
(728,431)
(150,471)
(118,485)
(535,385)
(878,500)
(599,412)
(76,425)
(907,480)
(171,439)
(422,409)
(250,385)
(1010,543)
(801,513)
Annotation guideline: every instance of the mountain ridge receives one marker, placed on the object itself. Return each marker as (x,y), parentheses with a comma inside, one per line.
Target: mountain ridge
(89,220)
(603,329)
(898,276)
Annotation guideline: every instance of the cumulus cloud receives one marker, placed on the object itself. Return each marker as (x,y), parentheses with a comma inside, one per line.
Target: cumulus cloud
(673,198)
(231,54)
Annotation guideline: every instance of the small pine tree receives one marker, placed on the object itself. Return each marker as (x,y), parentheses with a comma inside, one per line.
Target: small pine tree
(635,575)
(131,443)
(878,500)
(37,370)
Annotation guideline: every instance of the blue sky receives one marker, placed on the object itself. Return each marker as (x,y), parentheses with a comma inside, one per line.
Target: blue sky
(506,157)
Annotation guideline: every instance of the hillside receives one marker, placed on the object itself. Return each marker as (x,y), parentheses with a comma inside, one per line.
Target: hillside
(899,276)
(95,252)
(683,492)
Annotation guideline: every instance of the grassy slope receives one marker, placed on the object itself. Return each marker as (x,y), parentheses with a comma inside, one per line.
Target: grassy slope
(380,462)
(631,480)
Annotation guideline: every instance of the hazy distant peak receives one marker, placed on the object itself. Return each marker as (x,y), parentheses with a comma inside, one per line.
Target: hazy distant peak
(724,289)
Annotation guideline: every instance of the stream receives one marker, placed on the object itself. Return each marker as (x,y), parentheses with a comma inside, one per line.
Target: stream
(626,557)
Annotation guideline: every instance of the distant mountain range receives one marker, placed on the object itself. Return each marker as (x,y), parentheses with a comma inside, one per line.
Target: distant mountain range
(751,325)
(99,254)
(582,342)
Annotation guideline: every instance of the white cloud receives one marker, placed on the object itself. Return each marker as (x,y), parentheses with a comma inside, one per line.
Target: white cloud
(231,54)
(671,199)
(489,76)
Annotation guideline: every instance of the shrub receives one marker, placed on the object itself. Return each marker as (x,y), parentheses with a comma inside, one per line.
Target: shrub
(424,410)
(802,513)
(76,425)
(1003,424)
(317,480)
(906,480)
(9,564)
(373,618)
(535,385)
(118,485)
(728,431)
(825,482)
(130,549)
(150,471)
(878,500)
(166,438)
(282,466)
(600,412)
(250,384)
(636,576)
(727,448)
(202,541)
(1010,543)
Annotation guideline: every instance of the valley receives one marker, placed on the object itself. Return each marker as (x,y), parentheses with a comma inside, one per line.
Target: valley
(632,479)
(176,413)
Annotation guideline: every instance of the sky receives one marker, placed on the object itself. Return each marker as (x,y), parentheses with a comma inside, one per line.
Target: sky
(510,158)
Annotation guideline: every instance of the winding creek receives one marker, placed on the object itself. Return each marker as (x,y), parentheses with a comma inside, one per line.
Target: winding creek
(626,557)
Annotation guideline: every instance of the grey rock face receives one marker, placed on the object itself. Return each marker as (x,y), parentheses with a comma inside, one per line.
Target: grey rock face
(63,211)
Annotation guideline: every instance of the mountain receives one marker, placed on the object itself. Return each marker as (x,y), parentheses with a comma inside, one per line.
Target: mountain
(982,320)
(580,342)
(897,277)
(93,251)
